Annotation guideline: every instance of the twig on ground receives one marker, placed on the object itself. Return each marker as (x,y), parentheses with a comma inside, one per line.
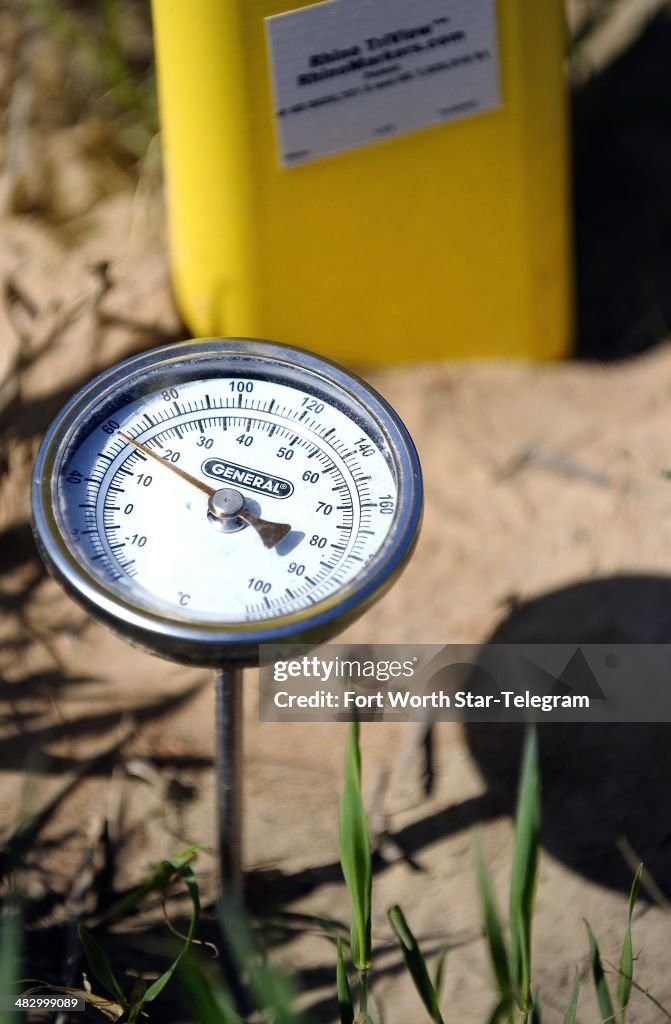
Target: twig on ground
(555,461)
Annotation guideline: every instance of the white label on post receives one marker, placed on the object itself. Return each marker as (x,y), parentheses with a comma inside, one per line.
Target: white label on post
(349,72)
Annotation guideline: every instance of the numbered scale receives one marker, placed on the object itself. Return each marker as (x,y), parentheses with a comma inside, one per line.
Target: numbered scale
(207,497)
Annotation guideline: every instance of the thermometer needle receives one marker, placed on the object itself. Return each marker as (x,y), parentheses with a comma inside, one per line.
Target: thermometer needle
(270,533)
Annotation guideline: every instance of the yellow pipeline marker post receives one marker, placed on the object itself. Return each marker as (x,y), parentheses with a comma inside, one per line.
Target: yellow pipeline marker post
(379,180)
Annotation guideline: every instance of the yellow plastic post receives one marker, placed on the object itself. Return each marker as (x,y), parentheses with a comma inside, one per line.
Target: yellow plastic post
(449,239)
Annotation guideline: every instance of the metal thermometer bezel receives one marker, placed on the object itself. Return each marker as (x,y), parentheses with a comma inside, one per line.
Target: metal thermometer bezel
(209,643)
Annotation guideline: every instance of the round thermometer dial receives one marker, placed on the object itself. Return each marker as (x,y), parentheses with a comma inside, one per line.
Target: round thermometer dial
(209,496)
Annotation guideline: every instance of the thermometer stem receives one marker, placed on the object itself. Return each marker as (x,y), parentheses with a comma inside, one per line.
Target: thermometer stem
(228,768)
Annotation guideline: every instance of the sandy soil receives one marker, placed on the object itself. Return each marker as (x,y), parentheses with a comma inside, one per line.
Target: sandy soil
(548,516)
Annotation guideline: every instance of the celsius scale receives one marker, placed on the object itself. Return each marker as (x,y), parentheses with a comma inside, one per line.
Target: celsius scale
(207,497)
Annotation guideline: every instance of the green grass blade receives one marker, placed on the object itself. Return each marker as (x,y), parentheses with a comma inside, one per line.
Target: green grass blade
(355,854)
(493,933)
(11,934)
(440,971)
(136,1001)
(100,965)
(525,868)
(160,878)
(626,965)
(205,996)
(500,1011)
(271,989)
(569,1016)
(536,1008)
(345,1004)
(415,962)
(602,994)
(189,879)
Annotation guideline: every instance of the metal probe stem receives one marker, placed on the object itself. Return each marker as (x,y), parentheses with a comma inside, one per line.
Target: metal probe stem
(228,769)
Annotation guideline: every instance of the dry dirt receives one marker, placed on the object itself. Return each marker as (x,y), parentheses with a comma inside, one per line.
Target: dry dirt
(548,516)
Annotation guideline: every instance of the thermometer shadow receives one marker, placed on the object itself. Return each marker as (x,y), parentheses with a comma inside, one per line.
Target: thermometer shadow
(289,543)
(606,798)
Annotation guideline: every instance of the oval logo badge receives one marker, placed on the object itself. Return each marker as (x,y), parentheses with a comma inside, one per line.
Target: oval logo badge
(228,473)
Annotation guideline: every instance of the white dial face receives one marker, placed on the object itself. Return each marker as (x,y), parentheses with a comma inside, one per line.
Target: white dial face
(146,500)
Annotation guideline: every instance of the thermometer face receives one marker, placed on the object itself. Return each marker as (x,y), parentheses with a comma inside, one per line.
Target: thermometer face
(206,497)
